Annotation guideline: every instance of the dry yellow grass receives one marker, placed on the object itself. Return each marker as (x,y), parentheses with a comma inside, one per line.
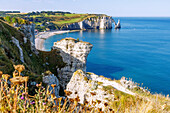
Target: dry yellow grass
(14,98)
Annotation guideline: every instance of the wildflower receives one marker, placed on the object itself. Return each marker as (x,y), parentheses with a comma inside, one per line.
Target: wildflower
(53,85)
(6,76)
(38,85)
(32,102)
(22,98)
(19,68)
(17,80)
(23,93)
(44,103)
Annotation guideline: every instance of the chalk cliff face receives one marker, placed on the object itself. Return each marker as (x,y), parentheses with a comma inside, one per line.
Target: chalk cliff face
(92,88)
(104,22)
(74,54)
(29,33)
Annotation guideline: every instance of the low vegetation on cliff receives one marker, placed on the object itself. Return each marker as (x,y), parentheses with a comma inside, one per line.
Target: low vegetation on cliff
(14,97)
(122,96)
(35,64)
(48,20)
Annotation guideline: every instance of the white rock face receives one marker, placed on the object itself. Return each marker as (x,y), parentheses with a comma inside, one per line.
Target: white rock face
(90,87)
(74,54)
(102,23)
(91,23)
(51,79)
(29,33)
(16,42)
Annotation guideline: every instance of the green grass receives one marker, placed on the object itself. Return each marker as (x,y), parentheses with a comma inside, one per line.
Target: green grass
(58,20)
(68,21)
(10,55)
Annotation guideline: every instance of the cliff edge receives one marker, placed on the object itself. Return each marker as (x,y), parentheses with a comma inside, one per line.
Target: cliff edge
(74,53)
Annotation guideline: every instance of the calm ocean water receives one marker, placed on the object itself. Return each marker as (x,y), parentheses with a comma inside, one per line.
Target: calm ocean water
(139,50)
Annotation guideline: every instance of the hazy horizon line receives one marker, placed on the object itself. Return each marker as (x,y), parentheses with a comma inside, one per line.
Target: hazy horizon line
(81,13)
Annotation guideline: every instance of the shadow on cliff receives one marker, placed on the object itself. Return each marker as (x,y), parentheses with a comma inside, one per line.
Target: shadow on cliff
(103,69)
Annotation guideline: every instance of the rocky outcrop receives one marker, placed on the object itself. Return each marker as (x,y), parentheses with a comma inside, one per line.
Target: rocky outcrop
(117,25)
(101,22)
(74,54)
(92,88)
(50,79)
(29,33)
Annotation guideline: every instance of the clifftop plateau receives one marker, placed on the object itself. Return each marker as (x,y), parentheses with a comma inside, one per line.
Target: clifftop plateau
(47,21)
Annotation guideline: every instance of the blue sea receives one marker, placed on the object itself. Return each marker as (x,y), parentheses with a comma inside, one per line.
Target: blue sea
(139,50)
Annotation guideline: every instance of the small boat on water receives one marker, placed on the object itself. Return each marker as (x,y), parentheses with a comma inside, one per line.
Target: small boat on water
(117,26)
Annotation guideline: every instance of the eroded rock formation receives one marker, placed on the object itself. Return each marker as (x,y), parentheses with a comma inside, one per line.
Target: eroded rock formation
(50,79)
(74,54)
(91,88)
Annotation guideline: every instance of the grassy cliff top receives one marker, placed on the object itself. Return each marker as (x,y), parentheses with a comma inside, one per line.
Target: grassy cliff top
(53,20)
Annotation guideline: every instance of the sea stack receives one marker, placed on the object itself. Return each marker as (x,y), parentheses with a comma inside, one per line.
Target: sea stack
(117,26)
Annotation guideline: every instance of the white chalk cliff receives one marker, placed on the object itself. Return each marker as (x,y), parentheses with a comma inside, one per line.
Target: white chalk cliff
(91,88)
(74,54)
(103,22)
(16,42)
(29,31)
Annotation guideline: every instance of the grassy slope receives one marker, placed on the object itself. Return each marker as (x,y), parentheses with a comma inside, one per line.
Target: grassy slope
(9,53)
(141,102)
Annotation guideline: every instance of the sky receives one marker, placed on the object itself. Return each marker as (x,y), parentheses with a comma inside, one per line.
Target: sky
(116,8)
